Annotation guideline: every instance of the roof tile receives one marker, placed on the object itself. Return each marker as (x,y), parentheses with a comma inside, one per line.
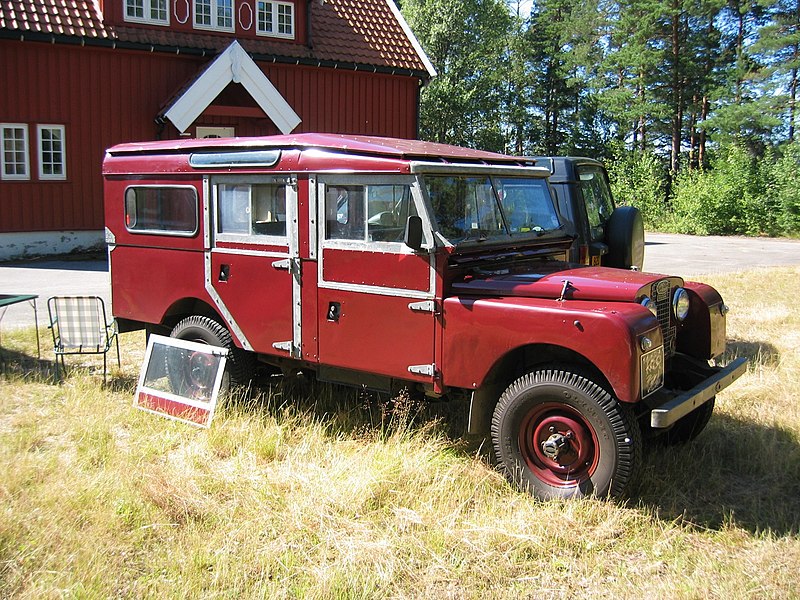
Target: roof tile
(352,31)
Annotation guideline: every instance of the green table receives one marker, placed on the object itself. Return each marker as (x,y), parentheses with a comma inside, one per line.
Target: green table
(7,300)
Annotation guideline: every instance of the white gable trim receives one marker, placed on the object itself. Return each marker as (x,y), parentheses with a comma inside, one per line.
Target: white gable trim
(412,38)
(233,65)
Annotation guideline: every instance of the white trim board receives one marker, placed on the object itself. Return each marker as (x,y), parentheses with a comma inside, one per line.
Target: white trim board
(233,65)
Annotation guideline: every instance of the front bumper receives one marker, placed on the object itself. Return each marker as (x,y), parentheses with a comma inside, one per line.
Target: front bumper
(681,405)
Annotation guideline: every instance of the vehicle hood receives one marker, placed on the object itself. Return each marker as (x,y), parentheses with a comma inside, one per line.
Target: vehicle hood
(584,283)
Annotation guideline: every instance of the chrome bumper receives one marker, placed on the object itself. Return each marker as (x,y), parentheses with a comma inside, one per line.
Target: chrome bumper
(684,403)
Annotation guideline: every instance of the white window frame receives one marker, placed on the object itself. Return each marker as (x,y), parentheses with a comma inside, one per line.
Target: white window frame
(273,7)
(26,151)
(214,25)
(148,10)
(40,149)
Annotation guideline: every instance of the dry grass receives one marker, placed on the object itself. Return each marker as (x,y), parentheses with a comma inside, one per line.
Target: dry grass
(289,497)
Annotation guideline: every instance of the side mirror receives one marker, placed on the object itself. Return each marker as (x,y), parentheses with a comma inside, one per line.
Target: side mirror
(413,235)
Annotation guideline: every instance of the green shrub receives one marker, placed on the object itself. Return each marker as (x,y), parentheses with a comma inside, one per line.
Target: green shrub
(639,179)
(782,187)
(724,200)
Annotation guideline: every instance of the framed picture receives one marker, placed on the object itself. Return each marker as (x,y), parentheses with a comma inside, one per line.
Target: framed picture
(180,379)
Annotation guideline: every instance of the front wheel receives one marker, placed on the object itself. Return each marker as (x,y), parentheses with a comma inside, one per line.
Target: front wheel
(557,434)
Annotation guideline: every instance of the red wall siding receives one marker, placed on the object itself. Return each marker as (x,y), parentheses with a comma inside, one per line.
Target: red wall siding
(106,96)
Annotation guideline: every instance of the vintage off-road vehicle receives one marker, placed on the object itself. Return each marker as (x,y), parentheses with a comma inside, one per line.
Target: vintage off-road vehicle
(393,263)
(605,234)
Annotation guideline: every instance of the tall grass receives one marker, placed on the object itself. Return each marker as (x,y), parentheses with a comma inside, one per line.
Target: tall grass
(318,492)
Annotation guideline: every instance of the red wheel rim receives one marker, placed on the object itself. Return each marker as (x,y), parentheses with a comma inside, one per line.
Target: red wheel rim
(559,445)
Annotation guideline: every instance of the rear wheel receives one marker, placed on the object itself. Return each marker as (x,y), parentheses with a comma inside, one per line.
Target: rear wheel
(557,434)
(240,366)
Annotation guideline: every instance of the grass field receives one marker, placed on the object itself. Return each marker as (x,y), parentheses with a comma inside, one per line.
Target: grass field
(322,493)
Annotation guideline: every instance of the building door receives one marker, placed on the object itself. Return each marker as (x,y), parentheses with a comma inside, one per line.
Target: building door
(252,266)
(376,305)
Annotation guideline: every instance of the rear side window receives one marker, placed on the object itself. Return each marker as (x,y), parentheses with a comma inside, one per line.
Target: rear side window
(247,212)
(167,210)
(597,196)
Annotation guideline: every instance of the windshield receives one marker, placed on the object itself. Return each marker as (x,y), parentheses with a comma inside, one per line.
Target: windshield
(480,208)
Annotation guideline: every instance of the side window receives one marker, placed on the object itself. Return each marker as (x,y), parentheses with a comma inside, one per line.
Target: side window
(388,209)
(367,212)
(597,197)
(251,210)
(168,210)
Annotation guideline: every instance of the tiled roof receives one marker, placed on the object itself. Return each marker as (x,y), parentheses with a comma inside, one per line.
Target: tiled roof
(363,32)
(80,18)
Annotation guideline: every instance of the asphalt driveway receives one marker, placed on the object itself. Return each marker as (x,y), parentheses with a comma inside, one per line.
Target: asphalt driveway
(672,254)
(689,255)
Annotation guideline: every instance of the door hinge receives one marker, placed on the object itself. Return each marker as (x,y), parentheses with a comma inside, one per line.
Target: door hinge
(429,370)
(285,347)
(426,306)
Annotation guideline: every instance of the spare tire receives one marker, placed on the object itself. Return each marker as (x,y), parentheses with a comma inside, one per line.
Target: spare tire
(625,239)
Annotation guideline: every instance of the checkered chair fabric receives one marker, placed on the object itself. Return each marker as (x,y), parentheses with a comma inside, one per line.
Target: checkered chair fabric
(79,326)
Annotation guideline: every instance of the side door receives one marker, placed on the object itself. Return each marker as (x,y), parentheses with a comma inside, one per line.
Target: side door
(252,266)
(376,296)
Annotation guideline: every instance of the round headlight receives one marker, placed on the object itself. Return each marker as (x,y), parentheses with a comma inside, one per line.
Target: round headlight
(680,304)
(649,305)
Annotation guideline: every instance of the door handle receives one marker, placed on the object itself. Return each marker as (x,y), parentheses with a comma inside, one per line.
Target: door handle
(288,264)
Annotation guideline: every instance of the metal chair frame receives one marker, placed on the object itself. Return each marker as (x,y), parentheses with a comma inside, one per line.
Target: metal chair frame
(80,326)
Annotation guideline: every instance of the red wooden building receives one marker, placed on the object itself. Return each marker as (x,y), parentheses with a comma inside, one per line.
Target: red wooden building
(82,75)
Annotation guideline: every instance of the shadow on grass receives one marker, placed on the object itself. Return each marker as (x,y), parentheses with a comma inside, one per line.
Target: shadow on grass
(19,365)
(735,473)
(757,353)
(16,364)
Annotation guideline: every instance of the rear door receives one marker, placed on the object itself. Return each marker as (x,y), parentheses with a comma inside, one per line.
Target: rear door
(252,266)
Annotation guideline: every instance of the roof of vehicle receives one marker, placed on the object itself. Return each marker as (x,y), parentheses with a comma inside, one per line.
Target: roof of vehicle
(351,144)
(563,167)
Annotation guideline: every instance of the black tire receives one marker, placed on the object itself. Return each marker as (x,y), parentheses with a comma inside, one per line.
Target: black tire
(240,366)
(690,426)
(625,238)
(597,441)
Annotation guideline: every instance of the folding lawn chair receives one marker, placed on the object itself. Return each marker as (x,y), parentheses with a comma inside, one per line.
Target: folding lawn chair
(79,326)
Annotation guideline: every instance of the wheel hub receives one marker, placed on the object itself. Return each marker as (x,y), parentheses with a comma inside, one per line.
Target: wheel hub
(554,446)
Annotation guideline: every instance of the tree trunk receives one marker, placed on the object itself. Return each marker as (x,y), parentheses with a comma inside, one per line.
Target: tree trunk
(701,151)
(793,98)
(677,88)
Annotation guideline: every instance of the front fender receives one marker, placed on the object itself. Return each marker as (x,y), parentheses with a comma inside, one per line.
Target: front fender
(479,332)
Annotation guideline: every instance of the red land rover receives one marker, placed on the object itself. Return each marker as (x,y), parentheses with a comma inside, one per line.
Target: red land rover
(392,263)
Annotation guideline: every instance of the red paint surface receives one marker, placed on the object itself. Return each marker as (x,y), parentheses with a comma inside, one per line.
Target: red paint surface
(173,408)
(479,332)
(390,270)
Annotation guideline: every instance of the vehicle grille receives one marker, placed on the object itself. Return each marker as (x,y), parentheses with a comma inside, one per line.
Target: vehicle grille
(661,295)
